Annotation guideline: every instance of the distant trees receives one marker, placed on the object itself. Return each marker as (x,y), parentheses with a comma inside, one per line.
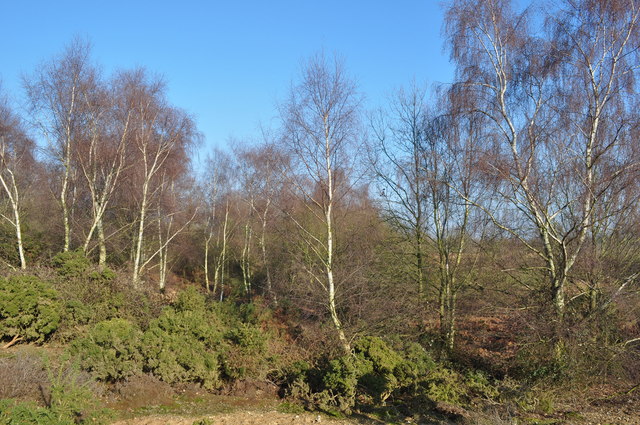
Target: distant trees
(397,154)
(425,166)
(99,132)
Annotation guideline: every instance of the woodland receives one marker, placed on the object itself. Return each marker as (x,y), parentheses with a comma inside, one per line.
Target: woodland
(467,253)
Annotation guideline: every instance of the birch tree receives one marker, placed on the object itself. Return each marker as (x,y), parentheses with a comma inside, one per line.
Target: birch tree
(161,137)
(101,154)
(398,164)
(321,131)
(260,185)
(450,177)
(16,161)
(55,102)
(218,179)
(423,159)
(558,108)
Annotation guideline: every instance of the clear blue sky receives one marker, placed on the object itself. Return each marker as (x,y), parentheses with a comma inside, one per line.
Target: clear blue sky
(229,62)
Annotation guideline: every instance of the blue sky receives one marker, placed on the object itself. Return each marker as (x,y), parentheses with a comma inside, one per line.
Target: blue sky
(228,63)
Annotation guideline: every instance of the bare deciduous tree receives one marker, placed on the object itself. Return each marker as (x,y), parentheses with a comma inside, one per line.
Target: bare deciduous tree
(55,97)
(558,110)
(321,131)
(16,162)
(100,153)
(424,163)
(398,163)
(161,137)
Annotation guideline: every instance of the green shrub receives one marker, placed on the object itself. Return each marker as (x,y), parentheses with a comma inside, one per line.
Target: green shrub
(383,358)
(181,345)
(78,313)
(375,372)
(375,364)
(415,366)
(245,353)
(444,385)
(478,385)
(71,263)
(102,276)
(190,299)
(340,382)
(102,295)
(111,350)
(250,338)
(29,308)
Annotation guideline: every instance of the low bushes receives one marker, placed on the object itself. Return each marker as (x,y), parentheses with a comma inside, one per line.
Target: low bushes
(91,294)
(29,309)
(111,350)
(188,342)
(182,344)
(375,374)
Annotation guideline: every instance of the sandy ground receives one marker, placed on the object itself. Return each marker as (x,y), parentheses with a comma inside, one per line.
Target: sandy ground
(241,418)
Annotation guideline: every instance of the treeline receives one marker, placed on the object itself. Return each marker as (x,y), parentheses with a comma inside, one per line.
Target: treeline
(511,193)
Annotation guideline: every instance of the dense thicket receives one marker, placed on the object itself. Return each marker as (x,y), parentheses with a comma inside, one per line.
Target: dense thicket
(492,223)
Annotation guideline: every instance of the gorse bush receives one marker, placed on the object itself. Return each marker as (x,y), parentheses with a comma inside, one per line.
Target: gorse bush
(96,295)
(29,308)
(71,263)
(375,373)
(181,345)
(188,342)
(244,352)
(111,350)
(376,363)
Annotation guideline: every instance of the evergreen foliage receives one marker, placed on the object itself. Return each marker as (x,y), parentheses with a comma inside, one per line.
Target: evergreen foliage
(29,308)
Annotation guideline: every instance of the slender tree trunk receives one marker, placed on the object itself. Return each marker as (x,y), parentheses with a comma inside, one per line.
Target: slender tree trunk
(66,173)
(164,261)
(16,215)
(329,260)
(140,239)
(65,211)
(207,283)
(263,248)
(331,288)
(245,263)
(442,310)
(451,321)
(222,258)
(102,245)
(11,189)
(419,262)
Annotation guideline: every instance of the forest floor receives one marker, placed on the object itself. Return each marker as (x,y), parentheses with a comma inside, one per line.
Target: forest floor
(154,403)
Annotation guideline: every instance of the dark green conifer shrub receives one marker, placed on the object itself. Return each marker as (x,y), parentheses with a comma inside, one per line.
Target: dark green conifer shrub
(71,263)
(182,344)
(29,308)
(111,350)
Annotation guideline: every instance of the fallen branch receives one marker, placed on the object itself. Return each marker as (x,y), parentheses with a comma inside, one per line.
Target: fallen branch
(15,340)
